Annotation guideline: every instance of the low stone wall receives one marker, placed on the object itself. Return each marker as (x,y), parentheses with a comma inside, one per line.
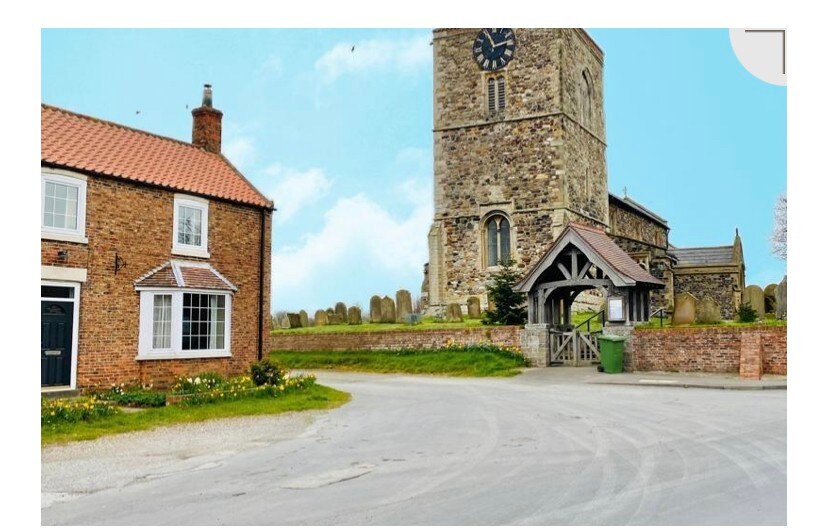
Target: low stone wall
(706,349)
(398,339)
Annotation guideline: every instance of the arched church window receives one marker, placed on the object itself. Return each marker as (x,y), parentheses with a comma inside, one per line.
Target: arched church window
(498,239)
(585,97)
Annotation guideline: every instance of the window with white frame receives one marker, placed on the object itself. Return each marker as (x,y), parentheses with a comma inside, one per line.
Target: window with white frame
(63,207)
(184,324)
(190,226)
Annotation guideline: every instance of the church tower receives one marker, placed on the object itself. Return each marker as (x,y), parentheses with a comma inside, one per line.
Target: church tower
(519,150)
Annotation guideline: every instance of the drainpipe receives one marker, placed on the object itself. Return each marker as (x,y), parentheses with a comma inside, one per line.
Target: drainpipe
(260,350)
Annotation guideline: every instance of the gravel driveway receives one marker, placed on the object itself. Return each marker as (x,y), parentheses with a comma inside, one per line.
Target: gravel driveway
(536,449)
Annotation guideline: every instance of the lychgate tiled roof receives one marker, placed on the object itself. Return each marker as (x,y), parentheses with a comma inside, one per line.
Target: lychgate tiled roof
(588,238)
(74,141)
(703,255)
(613,254)
(184,274)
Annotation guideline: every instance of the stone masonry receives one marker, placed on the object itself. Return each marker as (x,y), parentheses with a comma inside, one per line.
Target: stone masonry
(538,162)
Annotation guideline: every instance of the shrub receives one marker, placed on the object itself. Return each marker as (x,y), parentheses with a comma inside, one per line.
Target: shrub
(73,410)
(136,397)
(266,372)
(508,303)
(747,313)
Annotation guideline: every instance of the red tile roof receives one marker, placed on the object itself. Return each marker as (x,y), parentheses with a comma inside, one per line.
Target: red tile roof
(613,254)
(74,141)
(600,243)
(183,274)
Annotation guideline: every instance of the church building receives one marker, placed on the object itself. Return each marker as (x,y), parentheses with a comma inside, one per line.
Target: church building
(520,153)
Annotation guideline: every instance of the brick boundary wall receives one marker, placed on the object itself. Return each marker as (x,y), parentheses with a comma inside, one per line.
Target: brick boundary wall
(709,349)
(398,339)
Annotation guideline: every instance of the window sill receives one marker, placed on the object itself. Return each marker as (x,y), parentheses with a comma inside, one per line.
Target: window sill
(194,252)
(182,355)
(69,238)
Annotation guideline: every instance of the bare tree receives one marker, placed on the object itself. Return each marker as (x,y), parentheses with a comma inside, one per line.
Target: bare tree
(779,236)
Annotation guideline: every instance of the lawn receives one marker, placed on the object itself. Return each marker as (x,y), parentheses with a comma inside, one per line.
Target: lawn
(466,362)
(427,323)
(655,324)
(313,397)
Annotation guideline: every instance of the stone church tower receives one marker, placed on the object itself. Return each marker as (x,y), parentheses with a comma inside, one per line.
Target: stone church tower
(519,151)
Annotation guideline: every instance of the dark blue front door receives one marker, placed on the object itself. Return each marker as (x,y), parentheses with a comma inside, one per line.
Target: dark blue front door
(55,343)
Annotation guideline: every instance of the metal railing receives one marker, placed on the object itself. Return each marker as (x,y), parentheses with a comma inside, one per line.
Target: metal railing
(587,321)
(661,312)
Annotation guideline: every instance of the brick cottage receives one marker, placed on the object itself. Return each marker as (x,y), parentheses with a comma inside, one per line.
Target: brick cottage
(155,254)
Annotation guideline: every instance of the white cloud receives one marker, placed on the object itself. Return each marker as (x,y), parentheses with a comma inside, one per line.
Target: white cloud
(402,56)
(361,244)
(239,145)
(293,190)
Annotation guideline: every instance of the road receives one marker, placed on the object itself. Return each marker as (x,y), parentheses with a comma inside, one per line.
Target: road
(541,448)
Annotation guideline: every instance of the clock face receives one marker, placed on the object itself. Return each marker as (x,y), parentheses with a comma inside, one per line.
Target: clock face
(494,48)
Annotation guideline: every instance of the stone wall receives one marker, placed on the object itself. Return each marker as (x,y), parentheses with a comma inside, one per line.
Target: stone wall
(397,339)
(720,284)
(704,349)
(137,222)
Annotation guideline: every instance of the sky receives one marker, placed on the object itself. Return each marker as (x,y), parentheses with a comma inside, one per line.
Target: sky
(342,141)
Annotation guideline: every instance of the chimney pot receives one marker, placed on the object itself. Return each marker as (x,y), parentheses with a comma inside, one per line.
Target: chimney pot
(207,123)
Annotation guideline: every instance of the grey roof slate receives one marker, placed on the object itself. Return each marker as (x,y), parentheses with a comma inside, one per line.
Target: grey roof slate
(703,255)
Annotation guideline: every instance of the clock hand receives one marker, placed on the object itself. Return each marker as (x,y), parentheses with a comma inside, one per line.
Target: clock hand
(489,36)
(503,43)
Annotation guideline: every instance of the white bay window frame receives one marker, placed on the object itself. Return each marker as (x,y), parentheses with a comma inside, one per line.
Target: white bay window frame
(196,203)
(71,179)
(146,351)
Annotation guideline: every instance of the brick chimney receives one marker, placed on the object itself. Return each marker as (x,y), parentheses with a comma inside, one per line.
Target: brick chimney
(207,123)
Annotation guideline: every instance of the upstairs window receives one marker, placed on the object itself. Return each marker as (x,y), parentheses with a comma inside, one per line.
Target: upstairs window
(496,94)
(63,207)
(190,221)
(497,237)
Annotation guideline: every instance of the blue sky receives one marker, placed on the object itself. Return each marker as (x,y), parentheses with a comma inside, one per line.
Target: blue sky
(342,141)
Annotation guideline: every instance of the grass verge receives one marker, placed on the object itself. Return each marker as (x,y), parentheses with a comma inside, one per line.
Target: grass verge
(655,324)
(314,397)
(467,362)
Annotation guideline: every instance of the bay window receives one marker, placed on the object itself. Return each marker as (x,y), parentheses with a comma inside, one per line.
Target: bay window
(184,324)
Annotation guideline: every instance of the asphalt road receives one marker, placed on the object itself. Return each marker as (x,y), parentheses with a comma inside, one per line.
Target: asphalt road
(542,448)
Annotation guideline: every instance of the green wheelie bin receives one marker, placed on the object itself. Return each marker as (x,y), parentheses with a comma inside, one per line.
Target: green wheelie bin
(612,353)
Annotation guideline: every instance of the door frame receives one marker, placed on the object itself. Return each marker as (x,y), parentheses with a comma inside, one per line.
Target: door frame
(73,377)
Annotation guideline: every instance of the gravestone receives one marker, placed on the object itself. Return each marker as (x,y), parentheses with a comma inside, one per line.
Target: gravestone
(454,313)
(342,310)
(404,307)
(708,311)
(303,318)
(294,320)
(375,310)
(388,311)
(770,298)
(755,296)
(473,304)
(283,322)
(354,315)
(782,299)
(685,309)
(320,318)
